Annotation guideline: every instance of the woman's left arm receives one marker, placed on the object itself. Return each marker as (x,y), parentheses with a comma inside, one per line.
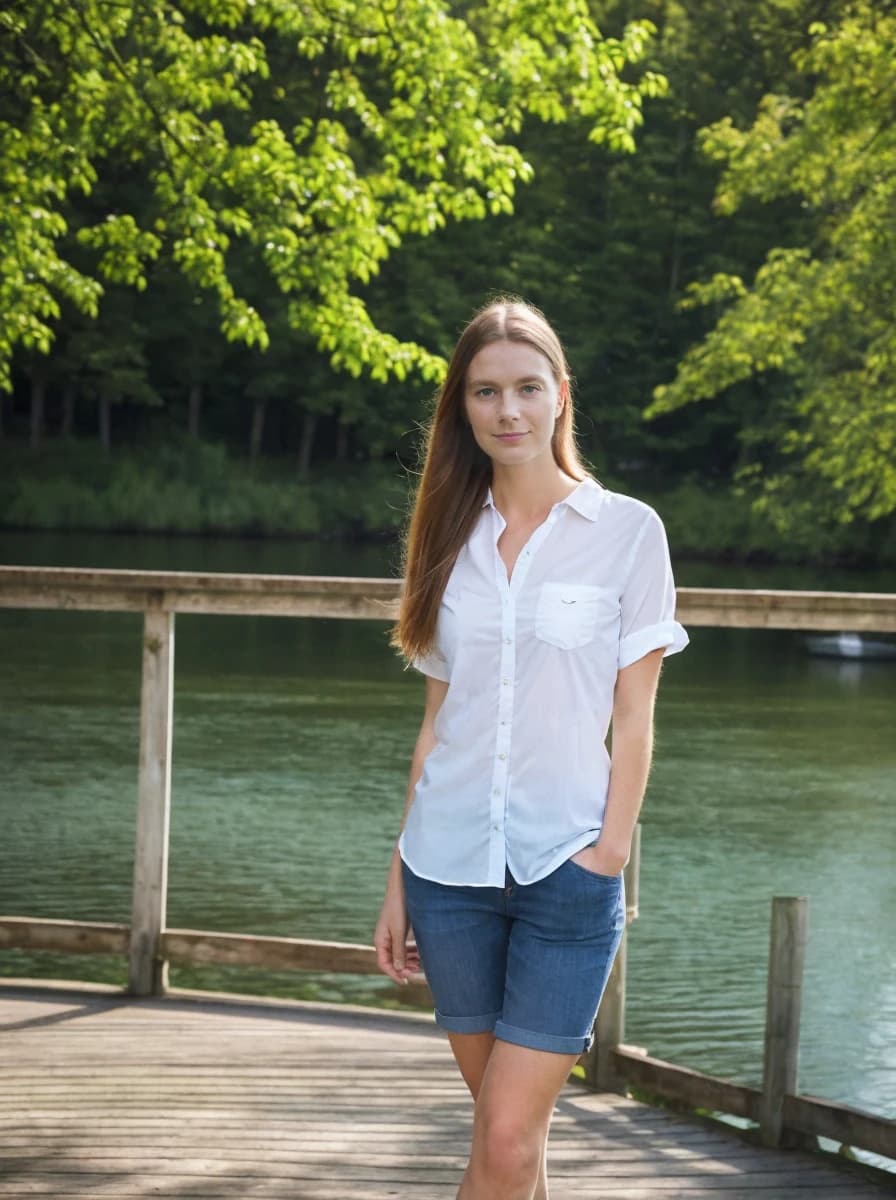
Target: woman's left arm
(648,631)
(633,702)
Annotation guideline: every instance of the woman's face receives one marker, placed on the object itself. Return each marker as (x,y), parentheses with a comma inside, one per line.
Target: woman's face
(512,401)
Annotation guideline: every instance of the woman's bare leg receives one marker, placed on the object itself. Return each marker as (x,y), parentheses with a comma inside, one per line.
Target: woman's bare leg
(472,1052)
(514,1104)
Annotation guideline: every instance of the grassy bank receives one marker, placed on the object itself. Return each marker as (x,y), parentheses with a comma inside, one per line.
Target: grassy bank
(194,488)
(199,488)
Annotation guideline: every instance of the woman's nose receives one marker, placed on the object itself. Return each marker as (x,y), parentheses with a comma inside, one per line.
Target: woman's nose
(508,405)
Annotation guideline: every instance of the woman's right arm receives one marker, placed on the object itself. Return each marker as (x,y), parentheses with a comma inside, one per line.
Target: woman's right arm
(393,957)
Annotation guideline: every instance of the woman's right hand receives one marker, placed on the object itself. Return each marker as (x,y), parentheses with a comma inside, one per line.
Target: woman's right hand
(395,955)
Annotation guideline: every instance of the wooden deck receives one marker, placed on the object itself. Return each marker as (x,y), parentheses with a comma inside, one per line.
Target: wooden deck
(195,1099)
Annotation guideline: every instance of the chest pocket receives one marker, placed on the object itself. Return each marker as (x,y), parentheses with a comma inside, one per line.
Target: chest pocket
(570,615)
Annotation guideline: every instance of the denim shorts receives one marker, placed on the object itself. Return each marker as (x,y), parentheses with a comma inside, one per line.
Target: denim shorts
(527,962)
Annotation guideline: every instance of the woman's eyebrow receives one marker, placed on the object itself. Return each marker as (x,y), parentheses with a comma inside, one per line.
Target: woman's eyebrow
(517,382)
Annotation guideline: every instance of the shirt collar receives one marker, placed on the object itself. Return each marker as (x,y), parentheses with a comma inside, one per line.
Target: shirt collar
(585,499)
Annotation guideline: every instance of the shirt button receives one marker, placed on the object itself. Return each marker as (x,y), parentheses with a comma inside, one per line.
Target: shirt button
(508,641)
(502,756)
(506,682)
(496,792)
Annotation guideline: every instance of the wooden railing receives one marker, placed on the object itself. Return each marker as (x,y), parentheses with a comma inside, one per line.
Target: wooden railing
(782,1114)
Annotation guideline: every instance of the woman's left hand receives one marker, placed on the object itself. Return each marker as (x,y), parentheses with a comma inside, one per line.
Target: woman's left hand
(604,858)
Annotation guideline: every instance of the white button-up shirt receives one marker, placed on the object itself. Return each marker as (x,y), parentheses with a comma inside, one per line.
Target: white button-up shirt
(520,770)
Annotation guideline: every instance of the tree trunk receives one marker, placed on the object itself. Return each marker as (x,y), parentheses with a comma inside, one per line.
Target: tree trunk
(309,425)
(675,261)
(38,399)
(342,434)
(257,432)
(69,392)
(194,403)
(105,421)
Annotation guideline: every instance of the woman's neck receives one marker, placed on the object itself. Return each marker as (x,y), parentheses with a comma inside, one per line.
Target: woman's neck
(522,495)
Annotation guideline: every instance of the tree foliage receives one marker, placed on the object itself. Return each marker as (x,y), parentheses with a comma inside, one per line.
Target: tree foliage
(815,329)
(606,243)
(337,179)
(276,152)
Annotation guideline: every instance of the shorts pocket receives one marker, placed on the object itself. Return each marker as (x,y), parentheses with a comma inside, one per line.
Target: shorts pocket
(593,874)
(569,614)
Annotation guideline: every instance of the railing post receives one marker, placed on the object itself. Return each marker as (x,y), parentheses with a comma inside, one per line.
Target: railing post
(609,1028)
(148,974)
(782,1013)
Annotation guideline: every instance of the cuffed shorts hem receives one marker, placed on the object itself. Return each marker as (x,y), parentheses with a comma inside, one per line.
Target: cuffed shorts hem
(480,1024)
(542,1041)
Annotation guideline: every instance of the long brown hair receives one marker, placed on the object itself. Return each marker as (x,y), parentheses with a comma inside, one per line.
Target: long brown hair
(456,473)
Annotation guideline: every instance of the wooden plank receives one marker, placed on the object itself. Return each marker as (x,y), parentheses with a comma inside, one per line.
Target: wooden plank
(191,947)
(330,604)
(64,937)
(167,1163)
(691,1087)
(343,1182)
(766,608)
(377,1190)
(315,1140)
(147,972)
(784,999)
(198,948)
(199,592)
(377,599)
(108,1097)
(310,1068)
(841,1123)
(85,579)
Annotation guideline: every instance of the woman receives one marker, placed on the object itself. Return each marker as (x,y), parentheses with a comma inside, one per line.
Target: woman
(539,606)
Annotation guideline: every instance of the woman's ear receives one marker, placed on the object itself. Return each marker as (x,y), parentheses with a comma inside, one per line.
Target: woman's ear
(562,396)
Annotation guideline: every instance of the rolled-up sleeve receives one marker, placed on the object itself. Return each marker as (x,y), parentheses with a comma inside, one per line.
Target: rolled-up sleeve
(648,598)
(433,664)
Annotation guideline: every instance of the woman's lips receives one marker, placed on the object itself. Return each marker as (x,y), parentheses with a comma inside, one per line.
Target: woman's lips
(509,437)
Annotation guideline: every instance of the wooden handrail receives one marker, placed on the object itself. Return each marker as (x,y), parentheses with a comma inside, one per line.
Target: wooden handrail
(221,593)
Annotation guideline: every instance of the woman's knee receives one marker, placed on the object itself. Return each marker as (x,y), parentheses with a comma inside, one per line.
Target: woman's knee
(510,1149)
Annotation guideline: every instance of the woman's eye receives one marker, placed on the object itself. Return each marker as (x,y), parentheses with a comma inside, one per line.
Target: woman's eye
(486,392)
(529,388)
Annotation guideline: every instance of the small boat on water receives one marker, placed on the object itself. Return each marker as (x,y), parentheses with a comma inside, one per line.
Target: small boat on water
(850,645)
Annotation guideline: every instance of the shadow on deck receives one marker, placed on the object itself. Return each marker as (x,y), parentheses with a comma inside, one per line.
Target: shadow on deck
(195,1097)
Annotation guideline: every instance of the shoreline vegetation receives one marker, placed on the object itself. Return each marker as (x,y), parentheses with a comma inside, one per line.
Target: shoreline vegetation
(195,488)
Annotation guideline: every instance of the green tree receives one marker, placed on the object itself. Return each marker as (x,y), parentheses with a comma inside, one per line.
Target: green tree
(111,355)
(309,139)
(606,243)
(814,331)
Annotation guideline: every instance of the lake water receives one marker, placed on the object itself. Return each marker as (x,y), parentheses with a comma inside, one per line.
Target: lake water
(773,775)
